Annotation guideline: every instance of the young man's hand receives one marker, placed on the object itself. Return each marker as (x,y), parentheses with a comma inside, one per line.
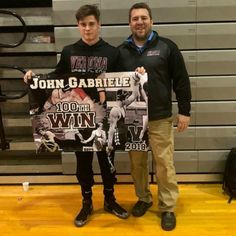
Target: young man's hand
(141,70)
(28,76)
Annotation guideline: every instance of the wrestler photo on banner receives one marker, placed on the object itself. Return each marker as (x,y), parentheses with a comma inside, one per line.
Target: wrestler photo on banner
(127,114)
(67,116)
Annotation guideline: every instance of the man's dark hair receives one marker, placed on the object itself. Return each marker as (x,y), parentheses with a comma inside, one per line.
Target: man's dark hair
(87,10)
(139,5)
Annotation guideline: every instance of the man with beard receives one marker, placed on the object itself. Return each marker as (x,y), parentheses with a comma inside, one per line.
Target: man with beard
(166,70)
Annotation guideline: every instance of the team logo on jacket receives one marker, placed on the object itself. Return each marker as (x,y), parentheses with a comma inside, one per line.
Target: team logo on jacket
(153,53)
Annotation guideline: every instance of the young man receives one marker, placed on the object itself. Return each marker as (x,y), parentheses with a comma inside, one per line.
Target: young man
(94,56)
(165,67)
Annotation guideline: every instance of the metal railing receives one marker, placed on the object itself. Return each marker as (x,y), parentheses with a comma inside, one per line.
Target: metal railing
(4,144)
(24,30)
(18,95)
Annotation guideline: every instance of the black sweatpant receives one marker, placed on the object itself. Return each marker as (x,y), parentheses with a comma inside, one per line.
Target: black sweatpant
(84,173)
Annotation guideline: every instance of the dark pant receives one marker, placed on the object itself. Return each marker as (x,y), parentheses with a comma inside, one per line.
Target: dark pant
(84,173)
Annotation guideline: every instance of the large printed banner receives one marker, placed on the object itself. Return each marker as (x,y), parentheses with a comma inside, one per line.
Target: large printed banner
(67,113)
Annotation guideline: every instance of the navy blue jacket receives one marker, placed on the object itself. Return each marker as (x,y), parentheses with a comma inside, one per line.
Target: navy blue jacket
(166,69)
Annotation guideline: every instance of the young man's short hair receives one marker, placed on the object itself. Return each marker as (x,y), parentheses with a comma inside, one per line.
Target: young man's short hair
(87,10)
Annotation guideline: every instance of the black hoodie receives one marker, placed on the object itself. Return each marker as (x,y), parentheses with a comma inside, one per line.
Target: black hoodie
(89,61)
(80,58)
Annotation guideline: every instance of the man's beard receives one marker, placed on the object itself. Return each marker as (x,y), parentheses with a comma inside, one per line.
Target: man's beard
(141,37)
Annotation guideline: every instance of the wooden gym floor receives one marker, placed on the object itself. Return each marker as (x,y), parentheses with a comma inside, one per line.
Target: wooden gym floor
(48,210)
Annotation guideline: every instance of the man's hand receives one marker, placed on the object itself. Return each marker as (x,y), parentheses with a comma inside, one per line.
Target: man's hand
(182,122)
(141,70)
(28,76)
